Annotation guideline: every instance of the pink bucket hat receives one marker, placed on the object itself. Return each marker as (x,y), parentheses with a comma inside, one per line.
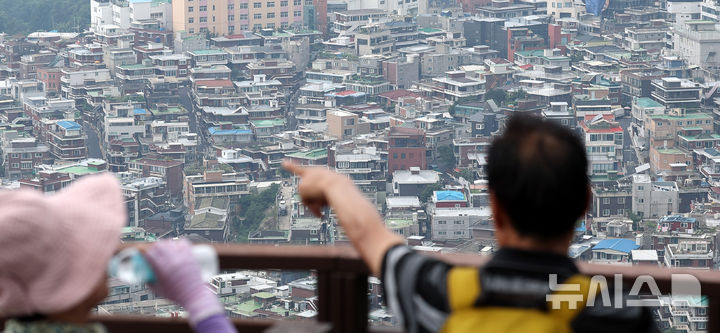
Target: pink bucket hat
(54,249)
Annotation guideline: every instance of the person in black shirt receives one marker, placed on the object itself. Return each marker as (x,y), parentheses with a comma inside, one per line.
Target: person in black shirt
(539,188)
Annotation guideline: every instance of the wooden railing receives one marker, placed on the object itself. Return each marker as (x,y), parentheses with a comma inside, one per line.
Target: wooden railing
(342,286)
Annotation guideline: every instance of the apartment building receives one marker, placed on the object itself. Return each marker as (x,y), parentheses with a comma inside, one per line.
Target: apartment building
(67,141)
(123,13)
(227,17)
(604,143)
(22,153)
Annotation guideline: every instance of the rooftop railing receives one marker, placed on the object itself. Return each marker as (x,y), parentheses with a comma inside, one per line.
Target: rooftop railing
(342,287)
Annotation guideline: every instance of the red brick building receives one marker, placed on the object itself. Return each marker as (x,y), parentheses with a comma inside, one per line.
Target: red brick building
(406,148)
(169,170)
(50,76)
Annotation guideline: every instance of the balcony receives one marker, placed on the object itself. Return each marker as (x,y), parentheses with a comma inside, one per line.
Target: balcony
(342,287)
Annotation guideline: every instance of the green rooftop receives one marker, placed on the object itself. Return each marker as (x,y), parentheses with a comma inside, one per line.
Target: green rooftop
(263,295)
(268,122)
(393,223)
(686,116)
(169,110)
(207,52)
(248,308)
(78,170)
(429,30)
(647,102)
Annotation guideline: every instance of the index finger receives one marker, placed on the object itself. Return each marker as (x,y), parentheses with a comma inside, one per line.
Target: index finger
(293,168)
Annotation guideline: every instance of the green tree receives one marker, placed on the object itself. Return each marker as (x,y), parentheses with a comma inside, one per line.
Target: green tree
(468,174)
(23,17)
(254,208)
(446,158)
(427,193)
(497,95)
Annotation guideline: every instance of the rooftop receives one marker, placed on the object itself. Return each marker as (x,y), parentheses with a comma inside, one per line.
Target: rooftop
(616,244)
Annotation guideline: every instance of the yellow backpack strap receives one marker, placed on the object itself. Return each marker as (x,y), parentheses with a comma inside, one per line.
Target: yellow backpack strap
(570,297)
(463,284)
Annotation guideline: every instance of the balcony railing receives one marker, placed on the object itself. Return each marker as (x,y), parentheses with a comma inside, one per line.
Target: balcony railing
(342,286)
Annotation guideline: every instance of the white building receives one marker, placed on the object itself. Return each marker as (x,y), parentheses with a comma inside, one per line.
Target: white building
(653,199)
(454,223)
(560,9)
(402,8)
(698,43)
(683,10)
(123,12)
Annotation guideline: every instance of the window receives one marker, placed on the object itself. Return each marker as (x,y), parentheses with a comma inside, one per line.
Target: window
(231,6)
(621,212)
(442,222)
(395,155)
(15,165)
(270,15)
(191,30)
(231,18)
(231,29)
(272,26)
(257,26)
(606,201)
(459,232)
(283,3)
(244,27)
(38,154)
(458,222)
(243,5)
(297,13)
(402,156)
(270,4)
(191,20)
(191,9)
(244,17)
(443,233)
(297,2)
(203,19)
(257,4)
(203,8)
(14,155)
(283,14)
(621,201)
(26,165)
(606,212)
(257,16)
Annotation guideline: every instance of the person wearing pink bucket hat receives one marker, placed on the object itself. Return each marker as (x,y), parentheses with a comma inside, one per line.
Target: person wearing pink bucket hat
(54,254)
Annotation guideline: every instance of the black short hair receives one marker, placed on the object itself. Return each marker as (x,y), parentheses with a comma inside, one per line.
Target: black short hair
(537,171)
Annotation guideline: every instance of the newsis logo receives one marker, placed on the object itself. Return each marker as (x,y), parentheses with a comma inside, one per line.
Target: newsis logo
(571,294)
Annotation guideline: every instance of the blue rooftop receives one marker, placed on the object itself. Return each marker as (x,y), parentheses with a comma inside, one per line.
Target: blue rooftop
(449,196)
(140,111)
(69,125)
(622,245)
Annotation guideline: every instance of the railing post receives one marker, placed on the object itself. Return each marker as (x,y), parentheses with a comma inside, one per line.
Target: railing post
(343,301)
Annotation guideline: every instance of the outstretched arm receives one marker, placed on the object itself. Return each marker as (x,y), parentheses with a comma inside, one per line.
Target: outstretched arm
(320,187)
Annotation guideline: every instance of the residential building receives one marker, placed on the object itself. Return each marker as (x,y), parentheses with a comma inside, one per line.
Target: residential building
(604,144)
(454,223)
(412,182)
(613,251)
(406,149)
(692,254)
(653,199)
(226,17)
(673,93)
